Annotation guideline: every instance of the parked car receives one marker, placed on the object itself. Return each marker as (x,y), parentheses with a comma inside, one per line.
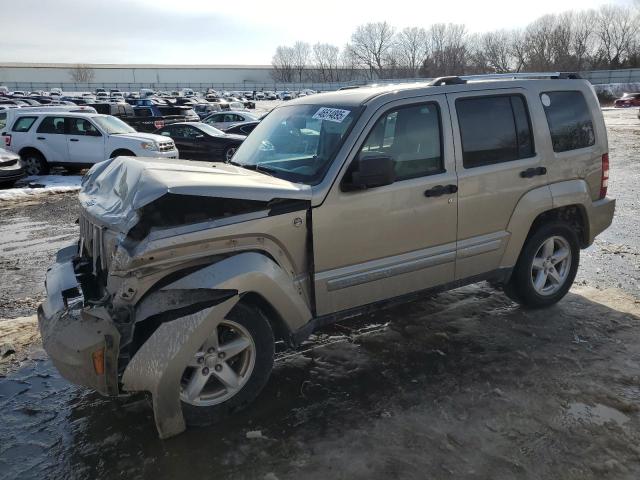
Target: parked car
(286,96)
(205,109)
(120,110)
(10,168)
(628,100)
(151,117)
(102,96)
(224,105)
(199,141)
(244,128)
(187,273)
(226,119)
(78,140)
(18,93)
(4,91)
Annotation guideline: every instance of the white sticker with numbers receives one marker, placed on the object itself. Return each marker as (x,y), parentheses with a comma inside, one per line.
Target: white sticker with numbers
(331,114)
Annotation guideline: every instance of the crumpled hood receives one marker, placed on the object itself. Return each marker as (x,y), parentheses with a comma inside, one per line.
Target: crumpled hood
(112,191)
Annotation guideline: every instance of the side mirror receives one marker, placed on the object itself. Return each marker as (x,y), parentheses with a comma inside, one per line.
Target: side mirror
(371,171)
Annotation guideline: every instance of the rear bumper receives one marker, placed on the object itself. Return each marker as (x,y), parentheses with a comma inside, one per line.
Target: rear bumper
(82,342)
(11,174)
(600,217)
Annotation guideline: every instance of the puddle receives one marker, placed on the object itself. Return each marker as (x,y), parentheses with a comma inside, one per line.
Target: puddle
(597,414)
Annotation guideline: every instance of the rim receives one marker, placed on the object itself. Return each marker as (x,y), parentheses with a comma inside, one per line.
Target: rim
(31,165)
(551,265)
(220,368)
(230,153)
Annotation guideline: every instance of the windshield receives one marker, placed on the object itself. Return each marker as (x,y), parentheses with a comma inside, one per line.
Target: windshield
(113,125)
(297,142)
(210,130)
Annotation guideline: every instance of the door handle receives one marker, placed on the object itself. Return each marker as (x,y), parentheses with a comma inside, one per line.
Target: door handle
(532,172)
(74,140)
(41,138)
(440,190)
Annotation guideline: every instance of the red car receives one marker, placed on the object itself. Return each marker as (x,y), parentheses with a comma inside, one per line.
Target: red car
(628,100)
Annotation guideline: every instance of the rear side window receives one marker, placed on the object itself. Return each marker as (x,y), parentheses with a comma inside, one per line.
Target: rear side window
(411,136)
(569,120)
(494,129)
(3,119)
(52,125)
(23,124)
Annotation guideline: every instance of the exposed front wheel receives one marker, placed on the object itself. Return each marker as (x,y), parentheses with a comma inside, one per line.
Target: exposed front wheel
(229,153)
(34,164)
(546,268)
(230,368)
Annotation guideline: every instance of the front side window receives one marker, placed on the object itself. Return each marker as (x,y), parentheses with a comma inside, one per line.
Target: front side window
(23,124)
(53,125)
(297,142)
(569,120)
(3,119)
(411,137)
(81,126)
(494,129)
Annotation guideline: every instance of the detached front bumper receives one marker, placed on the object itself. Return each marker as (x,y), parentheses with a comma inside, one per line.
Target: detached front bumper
(82,342)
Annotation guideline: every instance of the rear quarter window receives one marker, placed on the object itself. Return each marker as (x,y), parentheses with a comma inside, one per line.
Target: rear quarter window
(23,124)
(569,120)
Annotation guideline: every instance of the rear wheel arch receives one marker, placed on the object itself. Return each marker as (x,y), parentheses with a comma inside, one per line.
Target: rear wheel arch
(574,216)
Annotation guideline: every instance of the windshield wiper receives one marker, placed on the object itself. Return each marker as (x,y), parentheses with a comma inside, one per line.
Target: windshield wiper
(256,167)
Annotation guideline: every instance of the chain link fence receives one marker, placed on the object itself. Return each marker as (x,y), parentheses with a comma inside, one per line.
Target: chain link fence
(596,77)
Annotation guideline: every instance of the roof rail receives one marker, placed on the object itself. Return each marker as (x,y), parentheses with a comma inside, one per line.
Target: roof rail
(528,75)
(349,87)
(450,80)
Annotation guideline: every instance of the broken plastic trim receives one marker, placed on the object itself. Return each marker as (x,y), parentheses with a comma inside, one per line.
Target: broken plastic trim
(173,210)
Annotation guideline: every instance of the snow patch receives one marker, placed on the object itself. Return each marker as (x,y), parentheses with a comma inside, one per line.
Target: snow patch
(42,185)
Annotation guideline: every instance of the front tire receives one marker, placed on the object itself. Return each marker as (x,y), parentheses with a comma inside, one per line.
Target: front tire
(122,153)
(230,369)
(229,152)
(546,268)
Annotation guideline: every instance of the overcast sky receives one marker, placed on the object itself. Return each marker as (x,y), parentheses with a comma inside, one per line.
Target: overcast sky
(213,32)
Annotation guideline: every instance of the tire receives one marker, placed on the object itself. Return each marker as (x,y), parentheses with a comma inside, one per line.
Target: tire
(549,280)
(229,152)
(203,411)
(34,163)
(122,153)
(73,170)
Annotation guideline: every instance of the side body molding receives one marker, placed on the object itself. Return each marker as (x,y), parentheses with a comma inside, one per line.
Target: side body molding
(158,365)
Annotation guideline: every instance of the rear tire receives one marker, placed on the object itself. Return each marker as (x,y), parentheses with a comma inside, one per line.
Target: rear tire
(546,268)
(34,163)
(215,401)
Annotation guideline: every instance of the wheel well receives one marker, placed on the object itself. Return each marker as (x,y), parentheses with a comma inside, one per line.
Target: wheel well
(27,150)
(280,330)
(122,151)
(573,215)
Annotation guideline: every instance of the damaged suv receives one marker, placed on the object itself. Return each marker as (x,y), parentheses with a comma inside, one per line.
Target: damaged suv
(187,273)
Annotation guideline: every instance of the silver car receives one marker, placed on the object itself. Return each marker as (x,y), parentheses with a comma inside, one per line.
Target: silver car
(224,120)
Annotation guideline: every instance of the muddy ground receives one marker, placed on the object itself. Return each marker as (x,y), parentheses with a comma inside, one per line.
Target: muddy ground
(460,385)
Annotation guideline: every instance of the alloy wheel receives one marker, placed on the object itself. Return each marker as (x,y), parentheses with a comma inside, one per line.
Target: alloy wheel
(551,265)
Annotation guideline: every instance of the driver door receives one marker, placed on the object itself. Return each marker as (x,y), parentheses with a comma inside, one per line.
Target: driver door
(379,243)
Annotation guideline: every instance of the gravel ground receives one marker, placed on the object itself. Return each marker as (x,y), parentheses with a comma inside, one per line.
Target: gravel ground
(461,385)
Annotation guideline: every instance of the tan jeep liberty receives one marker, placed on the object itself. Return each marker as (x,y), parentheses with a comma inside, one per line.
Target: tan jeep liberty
(186,273)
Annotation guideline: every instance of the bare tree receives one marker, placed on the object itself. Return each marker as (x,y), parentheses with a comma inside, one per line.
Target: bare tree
(300,54)
(325,61)
(371,45)
(409,49)
(497,51)
(616,28)
(283,64)
(82,73)
(583,40)
(447,50)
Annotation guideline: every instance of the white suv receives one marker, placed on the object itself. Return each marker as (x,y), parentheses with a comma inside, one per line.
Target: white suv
(78,140)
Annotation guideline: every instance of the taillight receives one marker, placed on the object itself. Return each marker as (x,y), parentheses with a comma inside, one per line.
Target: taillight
(158,123)
(604,181)
(7,140)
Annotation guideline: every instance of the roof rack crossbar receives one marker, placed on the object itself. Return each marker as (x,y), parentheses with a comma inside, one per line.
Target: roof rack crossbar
(450,80)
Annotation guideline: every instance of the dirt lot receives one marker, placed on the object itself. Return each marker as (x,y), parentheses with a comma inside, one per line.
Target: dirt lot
(461,385)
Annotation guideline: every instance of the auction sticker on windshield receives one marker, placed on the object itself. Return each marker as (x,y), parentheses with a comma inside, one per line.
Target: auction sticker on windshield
(331,114)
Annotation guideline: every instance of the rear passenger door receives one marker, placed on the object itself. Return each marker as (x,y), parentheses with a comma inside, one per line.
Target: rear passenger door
(51,139)
(497,163)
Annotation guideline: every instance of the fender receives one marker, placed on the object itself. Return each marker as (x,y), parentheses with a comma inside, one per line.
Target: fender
(530,205)
(158,365)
